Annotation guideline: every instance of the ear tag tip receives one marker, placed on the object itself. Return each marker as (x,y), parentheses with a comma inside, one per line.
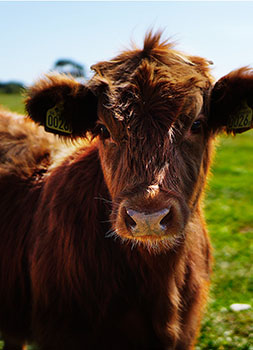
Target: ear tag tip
(55,122)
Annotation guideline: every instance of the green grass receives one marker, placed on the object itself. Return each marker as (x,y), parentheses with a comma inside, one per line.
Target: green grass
(12,101)
(229,214)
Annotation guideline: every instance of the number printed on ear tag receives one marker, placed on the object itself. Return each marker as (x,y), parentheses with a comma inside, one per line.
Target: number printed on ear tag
(54,121)
(242,118)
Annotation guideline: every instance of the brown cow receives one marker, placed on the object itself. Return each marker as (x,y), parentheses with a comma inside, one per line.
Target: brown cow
(106,247)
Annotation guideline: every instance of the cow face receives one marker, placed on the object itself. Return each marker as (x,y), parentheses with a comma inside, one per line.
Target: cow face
(154,113)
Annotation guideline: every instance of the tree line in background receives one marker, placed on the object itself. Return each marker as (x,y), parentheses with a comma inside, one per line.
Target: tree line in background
(11,87)
(66,66)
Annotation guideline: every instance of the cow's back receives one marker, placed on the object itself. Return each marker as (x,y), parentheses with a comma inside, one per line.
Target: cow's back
(26,150)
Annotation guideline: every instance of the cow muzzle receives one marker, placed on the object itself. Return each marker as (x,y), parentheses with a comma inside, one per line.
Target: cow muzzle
(155,219)
(144,224)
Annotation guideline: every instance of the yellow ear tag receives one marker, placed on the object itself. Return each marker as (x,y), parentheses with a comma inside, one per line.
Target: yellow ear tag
(54,121)
(242,118)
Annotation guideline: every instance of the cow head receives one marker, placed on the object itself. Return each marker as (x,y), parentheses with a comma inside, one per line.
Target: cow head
(154,113)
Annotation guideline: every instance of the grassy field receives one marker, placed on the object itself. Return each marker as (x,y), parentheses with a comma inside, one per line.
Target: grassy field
(229,213)
(13,102)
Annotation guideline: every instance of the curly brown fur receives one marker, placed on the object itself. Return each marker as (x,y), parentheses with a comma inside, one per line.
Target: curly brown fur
(76,272)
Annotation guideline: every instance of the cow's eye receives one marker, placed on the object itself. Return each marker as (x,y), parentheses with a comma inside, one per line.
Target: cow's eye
(104,132)
(196,126)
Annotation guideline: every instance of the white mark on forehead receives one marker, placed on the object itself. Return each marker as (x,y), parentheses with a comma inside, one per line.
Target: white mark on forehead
(152,190)
(153,187)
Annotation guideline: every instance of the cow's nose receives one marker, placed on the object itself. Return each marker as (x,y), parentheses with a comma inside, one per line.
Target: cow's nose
(147,224)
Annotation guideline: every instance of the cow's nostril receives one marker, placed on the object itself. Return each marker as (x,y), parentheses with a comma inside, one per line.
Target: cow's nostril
(166,220)
(130,223)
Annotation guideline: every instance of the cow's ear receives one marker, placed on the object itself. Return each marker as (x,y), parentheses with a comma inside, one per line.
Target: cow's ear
(62,105)
(231,102)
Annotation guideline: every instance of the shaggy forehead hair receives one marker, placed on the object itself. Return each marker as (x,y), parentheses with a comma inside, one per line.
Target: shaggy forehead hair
(156,79)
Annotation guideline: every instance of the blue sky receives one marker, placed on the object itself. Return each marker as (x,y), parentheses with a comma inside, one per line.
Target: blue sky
(33,35)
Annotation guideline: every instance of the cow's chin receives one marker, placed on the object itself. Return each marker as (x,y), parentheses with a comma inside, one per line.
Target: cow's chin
(154,230)
(150,243)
